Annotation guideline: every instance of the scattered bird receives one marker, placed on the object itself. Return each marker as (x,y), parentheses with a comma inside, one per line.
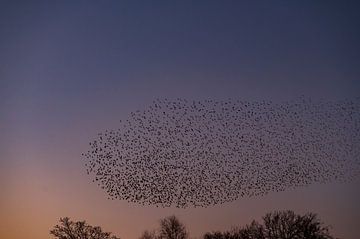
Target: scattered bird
(201,153)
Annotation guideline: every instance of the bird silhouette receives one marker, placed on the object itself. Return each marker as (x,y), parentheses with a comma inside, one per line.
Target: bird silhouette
(200,153)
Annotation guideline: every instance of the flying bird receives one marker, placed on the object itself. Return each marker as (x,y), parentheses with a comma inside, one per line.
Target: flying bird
(200,153)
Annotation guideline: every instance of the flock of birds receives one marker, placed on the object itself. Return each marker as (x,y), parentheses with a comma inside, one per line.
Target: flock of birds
(201,153)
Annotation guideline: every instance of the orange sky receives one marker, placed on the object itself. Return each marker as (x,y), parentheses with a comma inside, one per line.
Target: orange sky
(34,197)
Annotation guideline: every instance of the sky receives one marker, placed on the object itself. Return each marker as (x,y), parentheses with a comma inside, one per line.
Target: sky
(72,69)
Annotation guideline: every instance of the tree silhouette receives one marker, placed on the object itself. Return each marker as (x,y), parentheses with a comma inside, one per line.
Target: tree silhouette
(278,225)
(252,231)
(287,224)
(172,228)
(148,235)
(79,230)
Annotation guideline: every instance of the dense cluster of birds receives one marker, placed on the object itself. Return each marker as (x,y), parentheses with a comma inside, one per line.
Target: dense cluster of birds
(200,153)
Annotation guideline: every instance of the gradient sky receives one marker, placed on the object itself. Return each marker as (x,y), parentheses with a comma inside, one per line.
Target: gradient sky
(71,70)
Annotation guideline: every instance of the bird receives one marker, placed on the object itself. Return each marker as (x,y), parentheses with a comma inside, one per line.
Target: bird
(199,153)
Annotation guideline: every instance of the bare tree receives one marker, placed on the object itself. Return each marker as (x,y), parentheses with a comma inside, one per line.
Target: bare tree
(172,228)
(148,235)
(287,224)
(214,235)
(252,231)
(278,225)
(79,230)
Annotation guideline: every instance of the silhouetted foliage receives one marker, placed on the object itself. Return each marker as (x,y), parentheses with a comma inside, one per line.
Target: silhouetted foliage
(172,228)
(215,235)
(278,225)
(148,235)
(79,230)
(252,231)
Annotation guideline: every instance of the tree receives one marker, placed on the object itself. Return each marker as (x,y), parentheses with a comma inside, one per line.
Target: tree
(286,224)
(252,231)
(148,235)
(172,228)
(278,225)
(214,235)
(79,230)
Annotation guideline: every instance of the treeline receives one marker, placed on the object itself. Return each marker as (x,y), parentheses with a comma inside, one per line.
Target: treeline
(275,225)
